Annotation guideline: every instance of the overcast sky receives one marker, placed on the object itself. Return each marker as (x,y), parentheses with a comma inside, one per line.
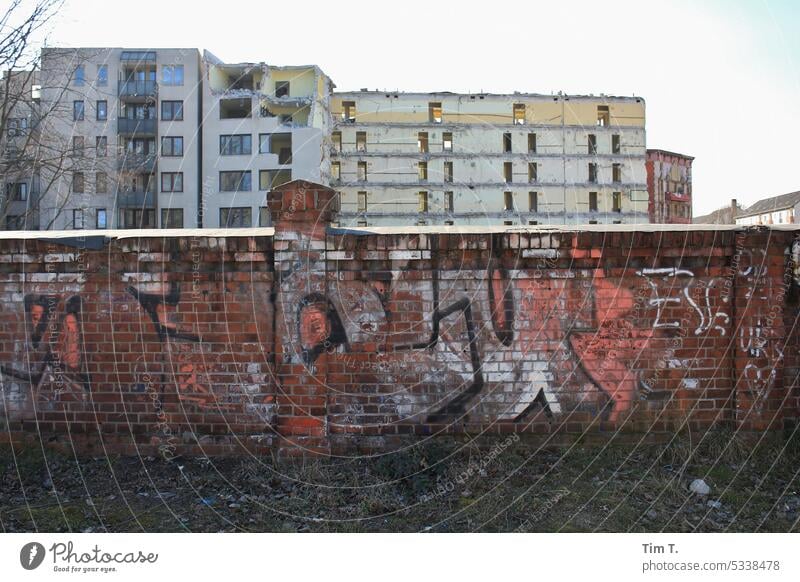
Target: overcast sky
(720,77)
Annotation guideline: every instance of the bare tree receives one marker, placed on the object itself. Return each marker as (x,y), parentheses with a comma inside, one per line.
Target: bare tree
(35,156)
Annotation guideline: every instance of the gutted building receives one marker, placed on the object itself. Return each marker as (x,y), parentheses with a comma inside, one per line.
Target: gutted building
(447,158)
(669,187)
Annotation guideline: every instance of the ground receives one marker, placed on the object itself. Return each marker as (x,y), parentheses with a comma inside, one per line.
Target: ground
(442,486)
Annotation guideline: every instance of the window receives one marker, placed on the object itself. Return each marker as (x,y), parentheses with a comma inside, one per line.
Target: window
(508,171)
(435,112)
(77,145)
(533,171)
(281,88)
(172,181)
(235,108)
(616,201)
(448,172)
(172,75)
(238,181)
(101,183)
(137,218)
(281,144)
(241,217)
(615,145)
(422,142)
(101,146)
(80,76)
(519,114)
(236,145)
(269,179)
(422,201)
(448,201)
(172,111)
(264,218)
(362,171)
(349,111)
(77,182)
(15,222)
(603,115)
(336,171)
(172,146)
(593,172)
(77,218)
(448,223)
(593,201)
(533,201)
(77,110)
(616,172)
(17,191)
(336,139)
(592,144)
(101,217)
(533,222)
(447,141)
(592,222)
(17,126)
(531,143)
(508,201)
(172,218)
(507,143)
(362,201)
(102,110)
(361,141)
(102,77)
(422,171)
(508,222)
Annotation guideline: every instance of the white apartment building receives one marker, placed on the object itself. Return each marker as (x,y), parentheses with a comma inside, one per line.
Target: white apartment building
(167,138)
(448,158)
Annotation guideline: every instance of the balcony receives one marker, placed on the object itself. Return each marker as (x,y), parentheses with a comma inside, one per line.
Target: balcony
(126,126)
(138,163)
(136,199)
(141,89)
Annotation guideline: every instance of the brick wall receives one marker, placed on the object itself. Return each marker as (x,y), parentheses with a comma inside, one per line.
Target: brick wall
(315,340)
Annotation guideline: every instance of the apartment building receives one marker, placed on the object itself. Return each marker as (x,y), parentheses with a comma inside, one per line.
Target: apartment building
(782,209)
(167,138)
(669,187)
(262,126)
(478,159)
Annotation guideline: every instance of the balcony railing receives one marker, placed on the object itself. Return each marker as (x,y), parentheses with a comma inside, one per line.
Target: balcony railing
(136,199)
(140,88)
(136,126)
(139,163)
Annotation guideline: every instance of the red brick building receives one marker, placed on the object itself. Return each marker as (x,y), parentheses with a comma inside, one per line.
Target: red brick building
(669,184)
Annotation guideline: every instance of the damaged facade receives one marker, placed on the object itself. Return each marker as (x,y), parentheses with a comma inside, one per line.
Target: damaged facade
(447,158)
(669,185)
(172,138)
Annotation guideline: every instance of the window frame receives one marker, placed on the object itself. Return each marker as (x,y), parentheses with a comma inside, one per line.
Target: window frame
(172,180)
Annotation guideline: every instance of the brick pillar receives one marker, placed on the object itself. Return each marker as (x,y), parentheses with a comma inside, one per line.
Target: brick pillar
(759,342)
(306,325)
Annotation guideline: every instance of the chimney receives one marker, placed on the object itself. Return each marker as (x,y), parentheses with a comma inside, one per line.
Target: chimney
(734,210)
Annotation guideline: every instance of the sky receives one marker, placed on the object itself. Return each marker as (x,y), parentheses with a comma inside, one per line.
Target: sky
(720,77)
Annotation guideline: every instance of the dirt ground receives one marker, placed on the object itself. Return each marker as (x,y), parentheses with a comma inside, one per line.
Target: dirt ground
(441,486)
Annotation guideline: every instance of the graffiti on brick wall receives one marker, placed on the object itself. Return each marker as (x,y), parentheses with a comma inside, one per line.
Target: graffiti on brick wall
(50,358)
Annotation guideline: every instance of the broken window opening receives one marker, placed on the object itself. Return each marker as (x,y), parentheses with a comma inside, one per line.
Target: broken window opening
(422,142)
(447,142)
(235,108)
(336,139)
(508,201)
(362,201)
(336,171)
(281,144)
(362,171)
(592,172)
(616,202)
(448,171)
(361,141)
(281,88)
(349,111)
(533,171)
(448,201)
(508,171)
(423,201)
(422,171)
(616,172)
(603,116)
(531,143)
(615,144)
(593,201)
(519,114)
(533,201)
(592,144)
(270,179)
(435,112)
(507,143)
